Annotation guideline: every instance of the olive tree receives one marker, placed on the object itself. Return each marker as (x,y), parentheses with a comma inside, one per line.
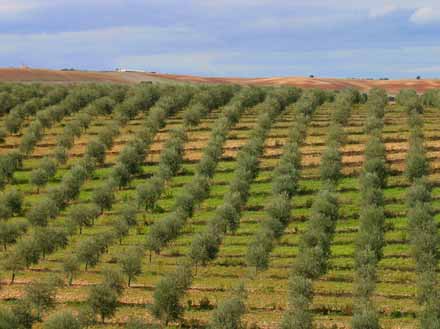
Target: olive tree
(114,279)
(96,150)
(39,178)
(120,228)
(148,193)
(41,212)
(41,294)
(104,197)
(230,311)
(82,215)
(88,252)
(71,267)
(14,262)
(131,263)
(10,231)
(49,239)
(166,297)
(103,300)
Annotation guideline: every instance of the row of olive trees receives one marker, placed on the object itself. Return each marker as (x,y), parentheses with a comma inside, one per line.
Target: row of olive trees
(18,114)
(230,311)
(207,100)
(89,250)
(13,94)
(40,297)
(423,230)
(314,246)
(10,231)
(132,156)
(166,305)
(74,129)
(204,246)
(77,98)
(284,185)
(370,238)
(69,188)
(171,157)
(46,240)
(431,98)
(57,198)
(197,190)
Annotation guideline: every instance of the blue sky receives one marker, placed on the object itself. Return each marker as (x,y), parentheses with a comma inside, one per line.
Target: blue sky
(249,38)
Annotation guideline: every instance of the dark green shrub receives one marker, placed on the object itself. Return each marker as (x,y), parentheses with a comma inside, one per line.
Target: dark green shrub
(62,320)
(103,301)
(229,312)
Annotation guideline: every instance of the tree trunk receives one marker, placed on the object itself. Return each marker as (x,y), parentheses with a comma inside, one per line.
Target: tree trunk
(12,277)
(129,281)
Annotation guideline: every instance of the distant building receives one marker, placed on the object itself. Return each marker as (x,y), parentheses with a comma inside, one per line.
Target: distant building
(129,70)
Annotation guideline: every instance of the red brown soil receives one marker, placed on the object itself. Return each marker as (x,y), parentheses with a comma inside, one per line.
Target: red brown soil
(43,75)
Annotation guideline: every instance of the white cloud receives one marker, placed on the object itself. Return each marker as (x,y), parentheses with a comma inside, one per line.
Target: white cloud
(384,10)
(76,48)
(269,23)
(15,7)
(113,37)
(426,15)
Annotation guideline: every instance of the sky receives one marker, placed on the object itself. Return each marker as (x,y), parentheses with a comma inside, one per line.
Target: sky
(245,38)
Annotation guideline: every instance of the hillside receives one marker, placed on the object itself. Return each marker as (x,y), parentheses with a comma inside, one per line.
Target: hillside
(41,75)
